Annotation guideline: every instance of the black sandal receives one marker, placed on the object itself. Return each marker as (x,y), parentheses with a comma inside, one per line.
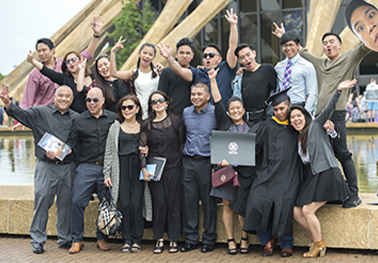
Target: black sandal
(159,246)
(232,251)
(173,248)
(135,248)
(126,248)
(244,250)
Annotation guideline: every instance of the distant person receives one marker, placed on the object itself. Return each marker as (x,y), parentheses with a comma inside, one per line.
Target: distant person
(53,178)
(356,111)
(178,89)
(1,116)
(372,106)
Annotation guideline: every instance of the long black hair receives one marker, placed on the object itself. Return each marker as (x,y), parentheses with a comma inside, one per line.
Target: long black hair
(303,136)
(101,82)
(135,74)
(152,113)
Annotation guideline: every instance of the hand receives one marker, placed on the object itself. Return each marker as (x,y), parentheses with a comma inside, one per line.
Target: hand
(118,45)
(18,125)
(30,57)
(81,64)
(147,175)
(97,25)
(329,126)
(165,51)
(159,67)
(212,74)
(347,84)
(223,163)
(51,155)
(144,150)
(231,17)
(4,96)
(279,31)
(201,67)
(108,182)
(240,70)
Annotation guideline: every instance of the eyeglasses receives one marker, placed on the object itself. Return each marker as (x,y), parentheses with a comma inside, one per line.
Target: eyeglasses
(89,100)
(211,55)
(129,107)
(71,60)
(288,45)
(154,102)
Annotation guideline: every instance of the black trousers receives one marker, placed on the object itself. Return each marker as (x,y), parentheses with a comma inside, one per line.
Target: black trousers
(342,153)
(166,204)
(197,186)
(130,199)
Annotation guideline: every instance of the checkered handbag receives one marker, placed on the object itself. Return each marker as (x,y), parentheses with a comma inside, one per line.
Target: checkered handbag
(109,218)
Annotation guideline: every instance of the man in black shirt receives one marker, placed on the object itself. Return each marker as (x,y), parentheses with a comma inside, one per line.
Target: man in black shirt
(52,177)
(89,134)
(178,89)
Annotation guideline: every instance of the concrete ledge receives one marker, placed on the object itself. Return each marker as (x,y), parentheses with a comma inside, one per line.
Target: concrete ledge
(341,228)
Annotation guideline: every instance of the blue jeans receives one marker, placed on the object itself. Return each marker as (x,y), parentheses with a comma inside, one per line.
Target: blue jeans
(286,241)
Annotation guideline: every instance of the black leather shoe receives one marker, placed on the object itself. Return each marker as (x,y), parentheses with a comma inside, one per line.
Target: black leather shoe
(38,250)
(207,248)
(66,245)
(352,201)
(188,247)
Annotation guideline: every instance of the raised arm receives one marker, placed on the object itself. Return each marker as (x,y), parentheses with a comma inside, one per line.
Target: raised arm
(184,73)
(38,65)
(96,27)
(279,30)
(112,67)
(232,39)
(214,85)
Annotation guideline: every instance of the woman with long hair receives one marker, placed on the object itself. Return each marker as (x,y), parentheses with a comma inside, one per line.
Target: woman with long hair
(144,78)
(76,75)
(164,134)
(122,170)
(113,88)
(322,178)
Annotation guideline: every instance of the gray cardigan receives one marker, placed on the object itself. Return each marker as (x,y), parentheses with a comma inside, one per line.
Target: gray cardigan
(111,169)
(319,147)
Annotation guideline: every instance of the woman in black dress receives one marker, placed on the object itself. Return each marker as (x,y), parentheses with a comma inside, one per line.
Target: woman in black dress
(163,132)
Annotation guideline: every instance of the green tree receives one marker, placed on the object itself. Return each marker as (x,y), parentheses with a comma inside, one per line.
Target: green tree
(2,76)
(131,24)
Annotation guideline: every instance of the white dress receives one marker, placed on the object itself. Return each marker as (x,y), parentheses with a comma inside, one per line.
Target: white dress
(144,86)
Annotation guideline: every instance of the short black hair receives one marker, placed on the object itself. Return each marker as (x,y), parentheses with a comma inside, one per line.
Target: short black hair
(240,47)
(185,42)
(213,46)
(200,85)
(235,98)
(331,34)
(291,35)
(46,41)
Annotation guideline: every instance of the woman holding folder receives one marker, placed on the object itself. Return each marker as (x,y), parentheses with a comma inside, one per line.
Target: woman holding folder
(164,134)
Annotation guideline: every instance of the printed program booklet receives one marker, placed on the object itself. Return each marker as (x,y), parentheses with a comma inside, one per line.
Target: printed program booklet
(51,143)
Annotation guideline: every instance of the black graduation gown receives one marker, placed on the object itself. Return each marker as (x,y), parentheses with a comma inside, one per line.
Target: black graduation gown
(274,190)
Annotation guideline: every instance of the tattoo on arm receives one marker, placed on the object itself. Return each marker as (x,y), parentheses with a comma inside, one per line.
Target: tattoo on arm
(174,63)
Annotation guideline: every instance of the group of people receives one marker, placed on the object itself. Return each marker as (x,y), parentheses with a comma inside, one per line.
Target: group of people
(118,120)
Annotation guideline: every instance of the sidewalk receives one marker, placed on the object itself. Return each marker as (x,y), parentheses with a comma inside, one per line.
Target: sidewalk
(18,249)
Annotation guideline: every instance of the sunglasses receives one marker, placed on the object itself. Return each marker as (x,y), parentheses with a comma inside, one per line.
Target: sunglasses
(129,107)
(71,60)
(154,102)
(89,100)
(211,55)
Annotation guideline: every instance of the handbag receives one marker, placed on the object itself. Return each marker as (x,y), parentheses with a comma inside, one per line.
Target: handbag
(109,218)
(224,176)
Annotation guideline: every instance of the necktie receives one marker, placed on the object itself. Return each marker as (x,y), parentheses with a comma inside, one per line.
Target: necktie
(287,74)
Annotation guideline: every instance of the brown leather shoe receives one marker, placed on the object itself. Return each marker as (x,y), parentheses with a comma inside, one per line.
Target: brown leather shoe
(102,245)
(268,250)
(286,252)
(76,247)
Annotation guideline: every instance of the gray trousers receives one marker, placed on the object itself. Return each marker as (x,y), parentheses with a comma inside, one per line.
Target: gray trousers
(50,180)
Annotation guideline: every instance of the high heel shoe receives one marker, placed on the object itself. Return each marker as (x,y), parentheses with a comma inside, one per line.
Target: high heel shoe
(231,251)
(244,250)
(319,248)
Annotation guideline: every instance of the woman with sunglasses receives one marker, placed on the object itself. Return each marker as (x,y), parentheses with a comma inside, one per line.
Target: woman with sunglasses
(76,75)
(322,178)
(113,88)
(164,134)
(144,78)
(233,122)
(122,170)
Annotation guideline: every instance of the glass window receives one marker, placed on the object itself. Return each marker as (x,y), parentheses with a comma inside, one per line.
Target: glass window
(269,5)
(197,59)
(248,6)
(292,3)
(293,20)
(270,47)
(339,23)
(249,30)
(225,34)
(369,64)
(211,32)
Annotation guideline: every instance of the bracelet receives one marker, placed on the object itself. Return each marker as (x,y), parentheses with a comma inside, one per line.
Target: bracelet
(96,36)
(340,90)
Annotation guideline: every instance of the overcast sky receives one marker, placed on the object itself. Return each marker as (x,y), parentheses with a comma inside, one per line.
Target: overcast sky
(25,21)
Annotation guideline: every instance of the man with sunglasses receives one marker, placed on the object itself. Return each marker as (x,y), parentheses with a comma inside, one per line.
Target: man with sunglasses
(39,89)
(52,177)
(178,89)
(212,59)
(88,135)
